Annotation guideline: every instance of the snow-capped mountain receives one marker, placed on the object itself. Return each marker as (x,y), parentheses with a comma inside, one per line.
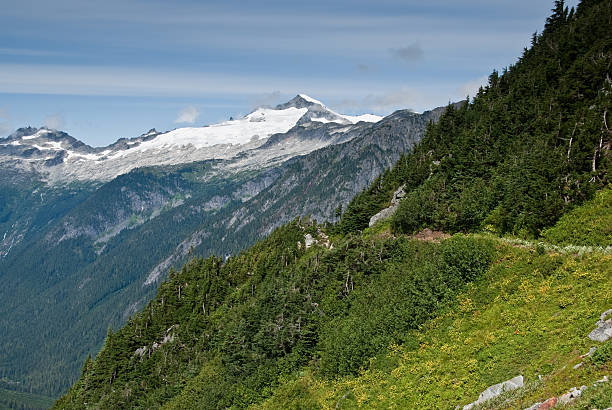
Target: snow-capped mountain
(299,126)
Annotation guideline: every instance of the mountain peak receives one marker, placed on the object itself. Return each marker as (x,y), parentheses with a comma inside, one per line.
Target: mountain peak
(23,131)
(300,101)
(309,99)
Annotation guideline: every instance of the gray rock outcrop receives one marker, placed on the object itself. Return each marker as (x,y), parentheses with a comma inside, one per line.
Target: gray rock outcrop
(496,390)
(572,395)
(308,240)
(387,212)
(603,331)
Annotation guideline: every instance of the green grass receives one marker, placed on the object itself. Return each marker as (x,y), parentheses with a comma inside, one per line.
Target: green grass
(590,224)
(599,397)
(529,315)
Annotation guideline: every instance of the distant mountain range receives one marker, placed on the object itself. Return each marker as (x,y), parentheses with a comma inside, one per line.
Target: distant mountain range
(57,157)
(87,233)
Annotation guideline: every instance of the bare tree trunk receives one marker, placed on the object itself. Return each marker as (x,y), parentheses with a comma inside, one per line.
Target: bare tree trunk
(569,149)
(346,284)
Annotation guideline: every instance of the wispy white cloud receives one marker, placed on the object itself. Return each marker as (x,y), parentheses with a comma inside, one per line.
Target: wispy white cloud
(54,122)
(470,88)
(187,115)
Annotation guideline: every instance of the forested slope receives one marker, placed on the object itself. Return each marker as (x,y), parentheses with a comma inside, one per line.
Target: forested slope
(376,318)
(529,146)
(362,323)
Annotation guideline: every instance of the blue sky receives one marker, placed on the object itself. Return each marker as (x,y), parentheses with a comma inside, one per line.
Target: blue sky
(101,70)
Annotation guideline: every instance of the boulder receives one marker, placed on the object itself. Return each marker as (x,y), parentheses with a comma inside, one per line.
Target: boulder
(603,331)
(382,215)
(496,390)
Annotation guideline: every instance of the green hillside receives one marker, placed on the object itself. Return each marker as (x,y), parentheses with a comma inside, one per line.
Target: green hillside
(529,315)
(375,322)
(590,224)
(530,146)
(382,318)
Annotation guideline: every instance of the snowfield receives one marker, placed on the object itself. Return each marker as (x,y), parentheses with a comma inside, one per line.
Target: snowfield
(225,140)
(260,124)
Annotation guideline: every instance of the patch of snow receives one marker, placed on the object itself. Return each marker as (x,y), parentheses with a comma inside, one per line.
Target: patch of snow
(350,118)
(38,134)
(33,160)
(38,147)
(365,117)
(79,156)
(48,146)
(322,119)
(310,99)
(341,130)
(354,119)
(262,122)
(54,145)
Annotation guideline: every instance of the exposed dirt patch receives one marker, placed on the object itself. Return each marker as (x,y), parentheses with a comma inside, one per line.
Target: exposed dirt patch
(430,236)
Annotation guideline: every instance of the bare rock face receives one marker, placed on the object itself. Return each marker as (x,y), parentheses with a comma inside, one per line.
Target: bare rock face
(321,239)
(603,331)
(572,395)
(168,338)
(388,212)
(496,390)
(309,240)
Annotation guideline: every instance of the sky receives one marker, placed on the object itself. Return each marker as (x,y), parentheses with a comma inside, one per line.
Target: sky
(101,70)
